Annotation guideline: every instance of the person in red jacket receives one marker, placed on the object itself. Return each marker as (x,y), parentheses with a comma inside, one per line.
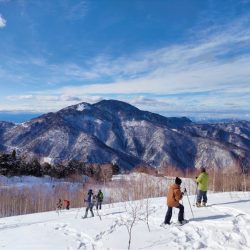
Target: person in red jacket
(67,204)
(174,196)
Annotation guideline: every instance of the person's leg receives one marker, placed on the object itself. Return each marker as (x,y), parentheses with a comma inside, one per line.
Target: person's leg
(100,207)
(204,198)
(86,212)
(168,215)
(199,197)
(181,213)
(91,210)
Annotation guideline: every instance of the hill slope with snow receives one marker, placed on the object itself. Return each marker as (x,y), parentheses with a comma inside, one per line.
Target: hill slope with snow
(224,224)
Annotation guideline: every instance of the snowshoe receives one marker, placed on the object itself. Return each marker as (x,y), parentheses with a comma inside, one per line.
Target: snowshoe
(181,223)
(164,225)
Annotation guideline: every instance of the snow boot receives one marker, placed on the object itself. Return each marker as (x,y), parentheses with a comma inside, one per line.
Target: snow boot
(198,204)
(204,204)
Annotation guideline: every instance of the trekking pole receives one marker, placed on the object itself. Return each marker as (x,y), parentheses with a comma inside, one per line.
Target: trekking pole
(195,196)
(78,210)
(98,214)
(185,192)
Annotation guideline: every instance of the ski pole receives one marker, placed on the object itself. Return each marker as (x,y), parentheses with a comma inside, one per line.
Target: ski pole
(98,214)
(185,191)
(195,196)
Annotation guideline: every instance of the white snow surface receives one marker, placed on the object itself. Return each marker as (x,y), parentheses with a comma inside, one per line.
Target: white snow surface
(223,224)
(82,107)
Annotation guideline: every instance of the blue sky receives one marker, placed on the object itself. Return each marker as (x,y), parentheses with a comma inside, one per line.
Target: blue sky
(174,57)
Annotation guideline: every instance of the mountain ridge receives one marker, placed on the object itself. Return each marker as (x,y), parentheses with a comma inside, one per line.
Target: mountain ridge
(115,131)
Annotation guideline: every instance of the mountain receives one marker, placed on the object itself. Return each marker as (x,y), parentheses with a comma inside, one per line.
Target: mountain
(115,131)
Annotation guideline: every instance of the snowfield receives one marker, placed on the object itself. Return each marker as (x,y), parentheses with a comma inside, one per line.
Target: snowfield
(223,224)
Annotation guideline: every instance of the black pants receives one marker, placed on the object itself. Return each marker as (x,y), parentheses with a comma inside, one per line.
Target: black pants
(169,214)
(99,205)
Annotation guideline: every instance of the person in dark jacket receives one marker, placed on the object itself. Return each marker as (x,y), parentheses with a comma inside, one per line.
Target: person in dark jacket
(90,203)
(99,199)
(174,196)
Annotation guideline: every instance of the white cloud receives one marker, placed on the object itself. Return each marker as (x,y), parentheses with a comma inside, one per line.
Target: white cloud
(209,64)
(2,22)
(20,97)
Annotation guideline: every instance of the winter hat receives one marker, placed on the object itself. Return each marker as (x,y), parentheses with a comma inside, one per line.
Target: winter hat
(178,181)
(203,169)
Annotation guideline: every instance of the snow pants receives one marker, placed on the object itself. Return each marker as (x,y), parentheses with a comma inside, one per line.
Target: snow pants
(169,214)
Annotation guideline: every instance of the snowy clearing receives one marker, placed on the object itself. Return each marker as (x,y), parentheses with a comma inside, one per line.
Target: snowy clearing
(223,224)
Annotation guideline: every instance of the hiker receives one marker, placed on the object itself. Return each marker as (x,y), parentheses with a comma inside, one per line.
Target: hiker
(202,182)
(174,196)
(59,204)
(67,204)
(90,203)
(99,199)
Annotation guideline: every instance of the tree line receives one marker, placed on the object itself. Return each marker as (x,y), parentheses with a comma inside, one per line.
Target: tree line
(13,165)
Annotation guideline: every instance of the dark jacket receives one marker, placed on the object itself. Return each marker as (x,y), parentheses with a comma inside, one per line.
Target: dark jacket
(100,196)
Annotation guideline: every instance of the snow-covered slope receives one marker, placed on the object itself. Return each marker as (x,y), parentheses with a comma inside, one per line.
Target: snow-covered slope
(224,224)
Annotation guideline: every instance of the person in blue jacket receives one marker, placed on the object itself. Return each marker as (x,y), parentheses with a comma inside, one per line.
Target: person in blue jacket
(90,203)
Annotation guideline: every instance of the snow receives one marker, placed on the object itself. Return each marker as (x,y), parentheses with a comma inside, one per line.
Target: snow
(135,123)
(47,160)
(46,183)
(82,107)
(23,124)
(223,224)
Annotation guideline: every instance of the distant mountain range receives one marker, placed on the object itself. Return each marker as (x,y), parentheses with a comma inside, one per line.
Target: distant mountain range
(115,131)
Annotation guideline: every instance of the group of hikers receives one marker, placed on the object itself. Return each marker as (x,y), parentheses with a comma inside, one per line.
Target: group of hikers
(92,200)
(174,196)
(59,204)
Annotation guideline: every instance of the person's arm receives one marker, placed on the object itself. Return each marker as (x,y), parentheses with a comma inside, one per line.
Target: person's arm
(178,195)
(198,180)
